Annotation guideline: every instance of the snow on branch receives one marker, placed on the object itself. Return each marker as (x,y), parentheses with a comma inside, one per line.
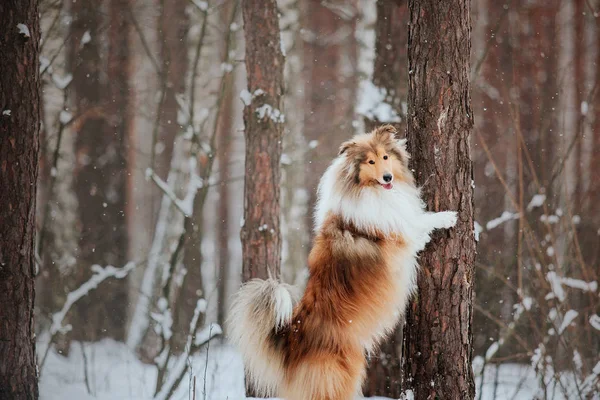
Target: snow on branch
(557,282)
(185,205)
(100,275)
(506,216)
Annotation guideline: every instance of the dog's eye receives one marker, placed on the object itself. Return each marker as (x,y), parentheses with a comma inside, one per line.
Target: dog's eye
(371,162)
(385,157)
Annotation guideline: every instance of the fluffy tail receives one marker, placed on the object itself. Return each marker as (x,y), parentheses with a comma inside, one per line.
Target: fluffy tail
(258,308)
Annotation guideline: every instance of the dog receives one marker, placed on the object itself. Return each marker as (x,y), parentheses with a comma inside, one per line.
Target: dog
(370,224)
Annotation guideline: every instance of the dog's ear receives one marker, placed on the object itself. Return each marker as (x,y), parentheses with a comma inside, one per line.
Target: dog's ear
(345,146)
(386,132)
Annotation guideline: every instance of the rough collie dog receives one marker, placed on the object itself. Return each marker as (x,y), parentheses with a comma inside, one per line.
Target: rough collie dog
(370,224)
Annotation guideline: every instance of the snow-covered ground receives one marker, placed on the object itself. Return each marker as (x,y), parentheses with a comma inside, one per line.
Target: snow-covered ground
(114,373)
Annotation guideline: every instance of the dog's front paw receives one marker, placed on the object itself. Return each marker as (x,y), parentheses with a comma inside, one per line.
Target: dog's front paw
(446,219)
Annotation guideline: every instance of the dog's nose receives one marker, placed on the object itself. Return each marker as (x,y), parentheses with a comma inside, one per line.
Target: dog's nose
(387,177)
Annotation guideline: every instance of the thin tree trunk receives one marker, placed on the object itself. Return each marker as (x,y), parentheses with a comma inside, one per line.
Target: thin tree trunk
(384,373)
(579,61)
(263,121)
(101,170)
(438,333)
(19,148)
(594,166)
(223,231)
(173,25)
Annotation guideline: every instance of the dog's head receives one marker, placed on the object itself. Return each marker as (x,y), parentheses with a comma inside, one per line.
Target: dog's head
(376,159)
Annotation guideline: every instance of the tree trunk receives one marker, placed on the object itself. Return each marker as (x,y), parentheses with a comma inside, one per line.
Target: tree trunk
(330,85)
(101,170)
(19,148)
(580,80)
(263,122)
(224,162)
(173,25)
(384,373)
(438,333)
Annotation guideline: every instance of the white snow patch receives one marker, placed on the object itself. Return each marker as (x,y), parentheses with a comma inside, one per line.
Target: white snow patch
(202,5)
(62,82)
(595,321)
(536,201)
(556,286)
(567,320)
(246,97)
(65,117)
(44,63)
(550,219)
(506,216)
(24,30)
(477,229)
(286,159)
(86,38)
(372,104)
(580,284)
(267,111)
(6,112)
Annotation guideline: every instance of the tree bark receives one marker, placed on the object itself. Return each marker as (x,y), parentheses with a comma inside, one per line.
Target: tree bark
(263,122)
(101,170)
(438,333)
(19,148)
(224,162)
(384,373)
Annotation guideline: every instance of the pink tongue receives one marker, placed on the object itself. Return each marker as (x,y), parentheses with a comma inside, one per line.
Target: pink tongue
(388,186)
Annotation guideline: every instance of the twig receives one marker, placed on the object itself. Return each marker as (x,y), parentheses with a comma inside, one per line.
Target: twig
(85,368)
(195,66)
(206,363)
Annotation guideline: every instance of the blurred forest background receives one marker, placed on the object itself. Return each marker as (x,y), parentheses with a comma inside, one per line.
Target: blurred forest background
(141,183)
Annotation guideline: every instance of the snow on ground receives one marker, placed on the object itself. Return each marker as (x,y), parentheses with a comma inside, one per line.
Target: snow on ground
(114,373)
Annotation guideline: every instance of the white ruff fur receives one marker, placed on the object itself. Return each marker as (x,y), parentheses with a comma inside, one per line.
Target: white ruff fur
(399,210)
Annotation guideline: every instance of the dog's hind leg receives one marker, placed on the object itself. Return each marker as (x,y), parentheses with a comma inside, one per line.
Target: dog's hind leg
(326,378)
